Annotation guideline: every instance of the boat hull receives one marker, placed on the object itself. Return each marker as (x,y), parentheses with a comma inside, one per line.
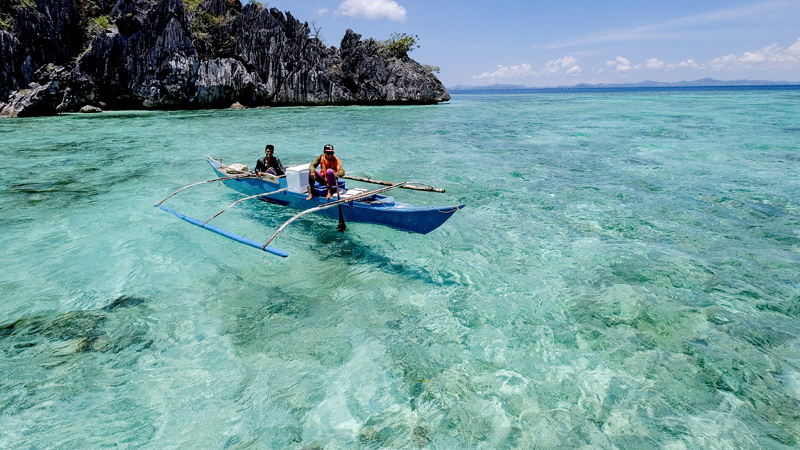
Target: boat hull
(378,209)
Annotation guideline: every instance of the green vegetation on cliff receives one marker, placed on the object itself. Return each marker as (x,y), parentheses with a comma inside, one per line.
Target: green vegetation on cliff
(399,44)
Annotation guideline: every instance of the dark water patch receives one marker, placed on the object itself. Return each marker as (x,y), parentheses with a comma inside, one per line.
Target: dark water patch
(722,201)
(60,188)
(776,422)
(76,332)
(124,302)
(720,369)
(789,307)
(728,359)
(764,332)
(794,157)
(782,236)
(78,185)
(423,362)
(276,323)
(792,129)
(630,271)
(664,133)
(647,186)
(385,430)
(643,162)
(767,211)
(635,441)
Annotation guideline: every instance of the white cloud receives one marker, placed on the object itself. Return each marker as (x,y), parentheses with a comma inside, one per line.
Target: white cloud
(563,66)
(372,9)
(794,49)
(620,64)
(624,65)
(770,57)
(686,64)
(566,65)
(653,63)
(507,72)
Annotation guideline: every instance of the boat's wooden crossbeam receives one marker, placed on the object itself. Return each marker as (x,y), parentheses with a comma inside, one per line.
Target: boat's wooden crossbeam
(332,204)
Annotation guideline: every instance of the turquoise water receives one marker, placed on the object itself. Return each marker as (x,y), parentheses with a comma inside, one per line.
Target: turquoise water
(626,275)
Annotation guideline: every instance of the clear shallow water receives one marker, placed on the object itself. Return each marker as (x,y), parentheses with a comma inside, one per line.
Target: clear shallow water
(626,275)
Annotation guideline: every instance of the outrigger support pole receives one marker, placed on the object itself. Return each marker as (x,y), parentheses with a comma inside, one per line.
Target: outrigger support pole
(389,183)
(203,182)
(227,234)
(332,204)
(243,199)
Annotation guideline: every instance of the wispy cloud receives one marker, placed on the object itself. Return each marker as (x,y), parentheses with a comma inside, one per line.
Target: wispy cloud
(667,30)
(372,9)
(767,58)
(685,64)
(770,57)
(567,65)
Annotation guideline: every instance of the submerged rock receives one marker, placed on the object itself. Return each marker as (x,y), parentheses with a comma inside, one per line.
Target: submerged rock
(90,109)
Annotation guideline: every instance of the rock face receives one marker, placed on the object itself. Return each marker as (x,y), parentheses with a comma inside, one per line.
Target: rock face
(162,54)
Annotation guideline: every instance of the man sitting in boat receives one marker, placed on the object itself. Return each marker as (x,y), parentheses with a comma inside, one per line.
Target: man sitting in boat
(269,163)
(330,171)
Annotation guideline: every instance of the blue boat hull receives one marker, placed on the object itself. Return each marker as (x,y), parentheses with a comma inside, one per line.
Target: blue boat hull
(378,209)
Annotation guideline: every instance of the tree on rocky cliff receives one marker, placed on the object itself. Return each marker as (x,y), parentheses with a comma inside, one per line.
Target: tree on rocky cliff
(399,44)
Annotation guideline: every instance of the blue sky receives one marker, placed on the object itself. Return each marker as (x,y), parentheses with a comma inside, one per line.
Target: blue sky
(554,43)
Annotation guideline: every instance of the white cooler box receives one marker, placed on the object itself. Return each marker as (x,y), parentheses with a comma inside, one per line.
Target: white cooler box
(297,178)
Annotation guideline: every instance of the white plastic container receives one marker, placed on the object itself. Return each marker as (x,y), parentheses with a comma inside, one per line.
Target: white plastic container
(297,178)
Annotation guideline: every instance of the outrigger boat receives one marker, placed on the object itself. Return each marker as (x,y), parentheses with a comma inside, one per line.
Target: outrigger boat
(349,205)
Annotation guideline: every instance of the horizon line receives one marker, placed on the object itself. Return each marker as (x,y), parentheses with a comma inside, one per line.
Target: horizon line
(703,82)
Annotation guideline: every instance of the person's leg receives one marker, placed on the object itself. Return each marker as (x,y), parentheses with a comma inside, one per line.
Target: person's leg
(330,181)
(314,177)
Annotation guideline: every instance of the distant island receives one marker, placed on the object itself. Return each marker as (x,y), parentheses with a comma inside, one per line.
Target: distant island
(705,82)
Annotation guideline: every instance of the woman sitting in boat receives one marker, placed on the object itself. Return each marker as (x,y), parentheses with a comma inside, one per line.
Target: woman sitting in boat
(330,171)
(269,163)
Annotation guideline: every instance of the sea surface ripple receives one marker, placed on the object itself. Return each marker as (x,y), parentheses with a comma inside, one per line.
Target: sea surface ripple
(626,274)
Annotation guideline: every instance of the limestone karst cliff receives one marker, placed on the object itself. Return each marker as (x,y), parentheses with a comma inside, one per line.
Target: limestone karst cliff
(60,55)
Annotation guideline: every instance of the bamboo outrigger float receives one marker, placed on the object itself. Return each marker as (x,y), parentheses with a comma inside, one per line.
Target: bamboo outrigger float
(353,205)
